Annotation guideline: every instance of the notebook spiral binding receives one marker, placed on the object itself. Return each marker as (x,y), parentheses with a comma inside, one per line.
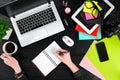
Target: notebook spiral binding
(46,54)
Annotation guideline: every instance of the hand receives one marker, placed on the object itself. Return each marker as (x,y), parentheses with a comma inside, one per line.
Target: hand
(65,57)
(11,61)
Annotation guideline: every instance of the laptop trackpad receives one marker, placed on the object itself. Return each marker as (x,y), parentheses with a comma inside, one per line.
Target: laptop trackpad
(39,33)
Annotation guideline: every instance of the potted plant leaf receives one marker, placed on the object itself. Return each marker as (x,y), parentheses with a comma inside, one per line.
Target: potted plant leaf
(4,27)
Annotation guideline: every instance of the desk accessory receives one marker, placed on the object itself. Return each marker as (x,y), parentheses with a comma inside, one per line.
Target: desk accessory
(84,36)
(66,23)
(119,36)
(92,8)
(10,47)
(68,41)
(6,2)
(47,61)
(79,29)
(95,26)
(62,53)
(102,52)
(109,69)
(8,34)
(75,17)
(88,16)
(109,29)
(67,9)
(88,65)
(37,22)
(4,27)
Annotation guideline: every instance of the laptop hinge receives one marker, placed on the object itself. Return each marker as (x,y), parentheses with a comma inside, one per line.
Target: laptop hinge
(49,3)
(8,10)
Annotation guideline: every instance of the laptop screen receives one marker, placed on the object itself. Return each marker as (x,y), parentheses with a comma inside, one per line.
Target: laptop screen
(6,2)
(24,5)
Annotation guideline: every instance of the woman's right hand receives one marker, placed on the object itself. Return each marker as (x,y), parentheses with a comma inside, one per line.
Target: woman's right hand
(65,57)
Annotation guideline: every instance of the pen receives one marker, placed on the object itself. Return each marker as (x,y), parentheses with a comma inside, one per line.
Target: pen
(62,53)
(66,22)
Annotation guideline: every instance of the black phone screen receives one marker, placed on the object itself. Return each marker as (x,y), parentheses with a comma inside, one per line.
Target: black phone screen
(102,52)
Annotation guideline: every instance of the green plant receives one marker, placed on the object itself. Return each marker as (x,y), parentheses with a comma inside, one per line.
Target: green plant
(4,26)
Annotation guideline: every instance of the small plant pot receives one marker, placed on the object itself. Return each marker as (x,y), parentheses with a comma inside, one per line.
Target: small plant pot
(4,28)
(8,33)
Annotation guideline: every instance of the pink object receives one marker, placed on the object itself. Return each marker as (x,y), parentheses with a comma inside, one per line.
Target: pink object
(87,64)
(65,3)
(88,16)
(67,10)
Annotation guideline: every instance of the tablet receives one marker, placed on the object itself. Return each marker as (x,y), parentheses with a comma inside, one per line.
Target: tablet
(82,22)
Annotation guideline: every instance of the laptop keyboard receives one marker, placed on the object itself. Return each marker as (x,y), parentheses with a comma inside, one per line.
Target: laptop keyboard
(36,20)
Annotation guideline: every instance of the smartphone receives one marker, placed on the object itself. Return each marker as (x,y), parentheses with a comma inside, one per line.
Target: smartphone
(102,52)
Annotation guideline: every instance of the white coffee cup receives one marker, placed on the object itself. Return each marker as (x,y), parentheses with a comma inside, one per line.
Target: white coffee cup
(10,47)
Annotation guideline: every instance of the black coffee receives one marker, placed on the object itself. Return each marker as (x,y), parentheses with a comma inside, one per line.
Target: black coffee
(10,47)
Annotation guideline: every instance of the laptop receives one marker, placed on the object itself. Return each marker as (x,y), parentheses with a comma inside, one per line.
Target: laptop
(6,2)
(37,23)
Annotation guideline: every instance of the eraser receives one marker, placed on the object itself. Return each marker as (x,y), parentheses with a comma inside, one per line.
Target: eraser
(67,10)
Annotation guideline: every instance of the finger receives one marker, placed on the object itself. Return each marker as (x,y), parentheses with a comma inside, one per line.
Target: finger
(60,50)
(6,56)
(6,53)
(6,60)
(57,54)
(2,57)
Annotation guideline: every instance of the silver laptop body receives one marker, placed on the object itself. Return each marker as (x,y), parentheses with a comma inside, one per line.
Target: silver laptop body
(40,32)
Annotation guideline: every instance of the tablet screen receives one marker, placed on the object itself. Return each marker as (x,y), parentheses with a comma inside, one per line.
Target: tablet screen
(89,28)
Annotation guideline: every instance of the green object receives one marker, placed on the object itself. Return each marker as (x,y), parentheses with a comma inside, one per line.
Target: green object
(4,26)
(88,0)
(110,69)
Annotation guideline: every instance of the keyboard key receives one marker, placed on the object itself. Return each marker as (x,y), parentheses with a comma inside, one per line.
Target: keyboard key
(36,20)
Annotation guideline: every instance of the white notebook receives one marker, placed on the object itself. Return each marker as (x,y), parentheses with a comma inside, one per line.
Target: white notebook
(46,61)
